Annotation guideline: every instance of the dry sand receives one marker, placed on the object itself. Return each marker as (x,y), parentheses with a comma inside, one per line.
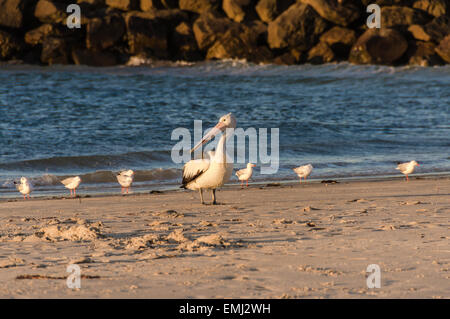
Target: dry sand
(289,241)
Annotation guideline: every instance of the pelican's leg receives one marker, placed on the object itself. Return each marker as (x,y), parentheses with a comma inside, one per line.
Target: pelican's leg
(214,196)
(201,195)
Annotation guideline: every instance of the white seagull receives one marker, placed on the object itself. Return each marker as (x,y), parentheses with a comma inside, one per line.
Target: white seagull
(407,168)
(125,179)
(72,183)
(200,174)
(24,187)
(303,171)
(245,174)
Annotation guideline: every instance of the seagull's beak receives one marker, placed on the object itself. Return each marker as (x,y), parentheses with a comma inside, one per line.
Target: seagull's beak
(253,165)
(214,131)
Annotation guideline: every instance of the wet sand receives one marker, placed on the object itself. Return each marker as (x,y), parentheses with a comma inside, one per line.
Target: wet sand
(282,241)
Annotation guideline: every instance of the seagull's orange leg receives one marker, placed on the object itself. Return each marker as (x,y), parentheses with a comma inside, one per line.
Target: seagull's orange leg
(24,197)
(247,182)
(28,196)
(127,189)
(407,179)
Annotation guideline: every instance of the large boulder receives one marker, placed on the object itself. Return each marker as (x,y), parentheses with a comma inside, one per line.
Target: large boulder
(443,49)
(299,26)
(183,44)
(9,45)
(438,28)
(392,16)
(320,54)
(239,43)
(237,10)
(336,11)
(423,54)
(208,28)
(37,36)
(52,11)
(93,58)
(124,5)
(147,32)
(199,6)
(268,10)
(55,51)
(12,13)
(434,7)
(104,33)
(340,40)
(378,46)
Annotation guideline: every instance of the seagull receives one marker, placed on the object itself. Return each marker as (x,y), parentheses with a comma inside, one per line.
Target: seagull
(245,174)
(407,168)
(303,171)
(212,173)
(24,187)
(72,183)
(125,179)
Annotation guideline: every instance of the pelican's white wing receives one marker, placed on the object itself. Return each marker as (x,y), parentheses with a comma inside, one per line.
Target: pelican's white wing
(193,169)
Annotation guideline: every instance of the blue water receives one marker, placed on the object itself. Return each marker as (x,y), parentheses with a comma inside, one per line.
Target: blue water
(346,120)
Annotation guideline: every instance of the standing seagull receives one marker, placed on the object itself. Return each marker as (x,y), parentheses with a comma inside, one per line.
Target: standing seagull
(24,187)
(407,168)
(214,172)
(245,173)
(125,179)
(72,183)
(303,171)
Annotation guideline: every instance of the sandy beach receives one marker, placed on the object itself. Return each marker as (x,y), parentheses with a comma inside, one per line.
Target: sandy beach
(312,240)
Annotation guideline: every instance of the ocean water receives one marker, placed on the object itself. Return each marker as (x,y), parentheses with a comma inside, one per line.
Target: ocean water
(348,121)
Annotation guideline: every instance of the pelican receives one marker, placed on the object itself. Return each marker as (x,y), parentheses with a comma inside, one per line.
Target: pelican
(212,173)
(125,179)
(407,168)
(245,174)
(303,171)
(72,183)
(24,187)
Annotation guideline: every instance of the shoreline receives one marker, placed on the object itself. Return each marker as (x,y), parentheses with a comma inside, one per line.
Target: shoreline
(232,186)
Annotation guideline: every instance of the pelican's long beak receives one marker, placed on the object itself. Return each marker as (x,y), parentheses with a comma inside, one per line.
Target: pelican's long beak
(214,131)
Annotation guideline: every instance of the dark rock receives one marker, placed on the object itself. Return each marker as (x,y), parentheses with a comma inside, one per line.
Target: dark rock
(55,51)
(388,2)
(378,46)
(438,28)
(9,45)
(237,10)
(340,40)
(184,45)
(104,33)
(199,6)
(321,53)
(93,58)
(12,13)
(149,5)
(335,11)
(147,32)
(298,26)
(96,3)
(444,49)
(268,10)
(208,28)
(392,16)
(423,54)
(289,58)
(436,8)
(124,5)
(239,43)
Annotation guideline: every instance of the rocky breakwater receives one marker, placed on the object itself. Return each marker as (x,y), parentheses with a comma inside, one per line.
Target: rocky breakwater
(111,32)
